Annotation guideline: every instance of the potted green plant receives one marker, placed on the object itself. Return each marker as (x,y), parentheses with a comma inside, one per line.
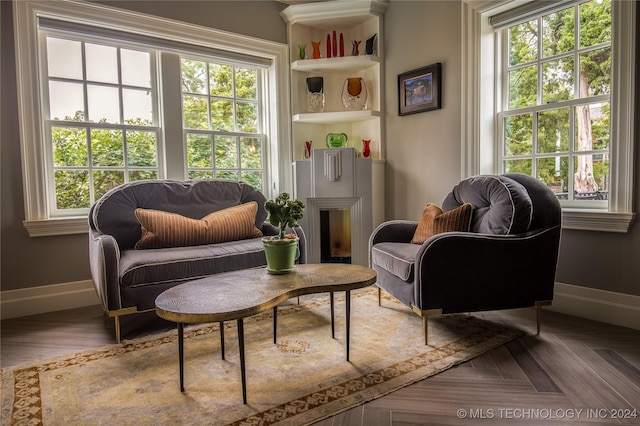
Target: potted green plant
(280,250)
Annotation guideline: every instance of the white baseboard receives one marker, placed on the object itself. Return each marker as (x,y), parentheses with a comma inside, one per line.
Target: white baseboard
(598,305)
(48,298)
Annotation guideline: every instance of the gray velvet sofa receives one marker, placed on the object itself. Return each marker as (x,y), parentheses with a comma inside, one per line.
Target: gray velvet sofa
(128,280)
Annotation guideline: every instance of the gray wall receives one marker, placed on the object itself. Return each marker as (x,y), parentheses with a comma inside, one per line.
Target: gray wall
(30,262)
(423,150)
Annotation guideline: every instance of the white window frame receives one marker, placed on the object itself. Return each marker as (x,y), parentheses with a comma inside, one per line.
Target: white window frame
(481,95)
(38,221)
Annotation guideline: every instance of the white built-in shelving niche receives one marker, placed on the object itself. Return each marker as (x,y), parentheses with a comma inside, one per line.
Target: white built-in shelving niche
(356,20)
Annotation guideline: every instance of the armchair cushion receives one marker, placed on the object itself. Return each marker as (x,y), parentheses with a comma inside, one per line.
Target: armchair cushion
(162,229)
(397,258)
(502,206)
(434,221)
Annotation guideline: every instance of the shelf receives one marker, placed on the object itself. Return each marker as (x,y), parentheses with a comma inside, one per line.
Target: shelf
(344,63)
(336,117)
(339,13)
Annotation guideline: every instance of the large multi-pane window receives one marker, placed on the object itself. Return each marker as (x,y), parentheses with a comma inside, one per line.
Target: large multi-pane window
(221,109)
(555,120)
(101,121)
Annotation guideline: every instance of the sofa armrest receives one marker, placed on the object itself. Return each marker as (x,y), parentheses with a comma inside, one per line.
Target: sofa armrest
(467,272)
(302,244)
(104,262)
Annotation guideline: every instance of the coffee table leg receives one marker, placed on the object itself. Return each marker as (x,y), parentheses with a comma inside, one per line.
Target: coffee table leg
(333,328)
(222,338)
(242,370)
(275,324)
(181,354)
(348,319)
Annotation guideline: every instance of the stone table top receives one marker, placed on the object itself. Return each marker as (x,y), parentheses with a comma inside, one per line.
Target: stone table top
(239,294)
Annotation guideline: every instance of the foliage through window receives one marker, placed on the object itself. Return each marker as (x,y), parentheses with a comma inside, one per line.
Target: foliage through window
(101,124)
(221,117)
(104,128)
(555,123)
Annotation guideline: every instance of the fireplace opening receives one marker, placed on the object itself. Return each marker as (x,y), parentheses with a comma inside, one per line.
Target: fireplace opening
(335,235)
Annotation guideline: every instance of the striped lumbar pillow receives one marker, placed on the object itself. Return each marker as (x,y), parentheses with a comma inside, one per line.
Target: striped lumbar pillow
(434,221)
(163,229)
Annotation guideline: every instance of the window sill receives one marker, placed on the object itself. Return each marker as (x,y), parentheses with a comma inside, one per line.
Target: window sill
(59,226)
(590,220)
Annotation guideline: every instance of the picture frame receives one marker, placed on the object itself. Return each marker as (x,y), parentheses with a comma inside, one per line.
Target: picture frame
(420,90)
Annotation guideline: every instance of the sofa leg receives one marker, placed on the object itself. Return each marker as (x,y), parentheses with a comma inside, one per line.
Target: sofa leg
(117,314)
(539,306)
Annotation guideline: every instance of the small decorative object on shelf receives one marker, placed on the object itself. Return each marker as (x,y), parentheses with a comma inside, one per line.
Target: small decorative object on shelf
(355,50)
(307,149)
(370,45)
(316,49)
(302,51)
(334,45)
(337,140)
(341,45)
(354,94)
(366,150)
(315,94)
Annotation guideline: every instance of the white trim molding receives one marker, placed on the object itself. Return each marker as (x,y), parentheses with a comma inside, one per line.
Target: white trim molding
(48,298)
(598,305)
(583,302)
(481,95)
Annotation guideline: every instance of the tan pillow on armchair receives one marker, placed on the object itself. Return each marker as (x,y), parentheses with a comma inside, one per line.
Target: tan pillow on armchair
(434,221)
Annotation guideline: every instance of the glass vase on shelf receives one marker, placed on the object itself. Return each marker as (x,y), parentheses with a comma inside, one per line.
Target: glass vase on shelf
(315,94)
(307,149)
(354,94)
(366,148)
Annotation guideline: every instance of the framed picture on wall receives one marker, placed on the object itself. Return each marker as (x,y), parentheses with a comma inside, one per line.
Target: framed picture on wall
(420,90)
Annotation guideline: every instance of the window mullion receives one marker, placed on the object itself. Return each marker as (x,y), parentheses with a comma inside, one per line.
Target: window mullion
(171,115)
(539,62)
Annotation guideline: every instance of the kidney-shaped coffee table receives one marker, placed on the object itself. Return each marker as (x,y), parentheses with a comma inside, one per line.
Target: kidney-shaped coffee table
(240,294)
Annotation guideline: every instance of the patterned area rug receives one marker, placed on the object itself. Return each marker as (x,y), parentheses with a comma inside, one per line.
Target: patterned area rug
(301,379)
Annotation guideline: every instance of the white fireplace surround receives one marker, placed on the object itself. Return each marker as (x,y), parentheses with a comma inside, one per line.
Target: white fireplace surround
(336,179)
(355,205)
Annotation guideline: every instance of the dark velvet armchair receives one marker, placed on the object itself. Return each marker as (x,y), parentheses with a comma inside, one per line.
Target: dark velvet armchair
(506,260)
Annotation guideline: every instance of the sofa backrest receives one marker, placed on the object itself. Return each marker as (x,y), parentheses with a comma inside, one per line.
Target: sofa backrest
(113,213)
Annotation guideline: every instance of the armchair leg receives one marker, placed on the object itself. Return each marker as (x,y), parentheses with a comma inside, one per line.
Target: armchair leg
(425,325)
(117,314)
(425,315)
(539,306)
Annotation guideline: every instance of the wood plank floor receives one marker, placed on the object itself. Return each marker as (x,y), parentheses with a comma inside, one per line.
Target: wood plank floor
(577,372)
